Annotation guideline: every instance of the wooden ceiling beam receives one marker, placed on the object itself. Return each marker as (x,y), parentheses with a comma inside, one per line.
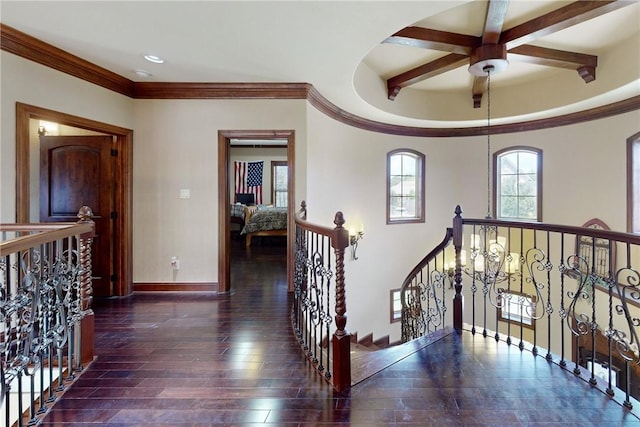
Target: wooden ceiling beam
(557,20)
(479,86)
(583,63)
(494,20)
(425,38)
(425,71)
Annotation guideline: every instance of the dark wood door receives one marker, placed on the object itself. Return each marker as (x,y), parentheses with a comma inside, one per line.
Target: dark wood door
(76,171)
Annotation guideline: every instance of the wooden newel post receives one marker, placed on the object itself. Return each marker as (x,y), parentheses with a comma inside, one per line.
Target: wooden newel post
(86,287)
(341,340)
(457,244)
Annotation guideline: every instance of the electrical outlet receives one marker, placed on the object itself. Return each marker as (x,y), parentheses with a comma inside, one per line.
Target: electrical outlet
(175,263)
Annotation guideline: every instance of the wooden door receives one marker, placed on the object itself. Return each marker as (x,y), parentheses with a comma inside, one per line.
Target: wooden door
(76,171)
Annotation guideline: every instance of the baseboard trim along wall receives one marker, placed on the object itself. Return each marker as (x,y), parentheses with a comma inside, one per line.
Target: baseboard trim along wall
(176,287)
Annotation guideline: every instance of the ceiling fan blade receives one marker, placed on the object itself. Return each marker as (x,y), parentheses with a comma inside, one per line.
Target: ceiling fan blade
(422,72)
(494,20)
(426,38)
(559,19)
(584,64)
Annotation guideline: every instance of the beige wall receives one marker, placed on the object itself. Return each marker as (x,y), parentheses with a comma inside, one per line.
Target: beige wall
(337,168)
(29,83)
(176,147)
(584,176)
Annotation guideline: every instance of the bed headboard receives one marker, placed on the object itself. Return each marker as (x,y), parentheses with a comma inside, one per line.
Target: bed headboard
(246,198)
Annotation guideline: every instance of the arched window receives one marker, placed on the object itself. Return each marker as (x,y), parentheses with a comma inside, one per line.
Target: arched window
(405,186)
(518,184)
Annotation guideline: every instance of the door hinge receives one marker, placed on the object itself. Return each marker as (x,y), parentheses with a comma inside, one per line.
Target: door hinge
(114,215)
(114,277)
(114,152)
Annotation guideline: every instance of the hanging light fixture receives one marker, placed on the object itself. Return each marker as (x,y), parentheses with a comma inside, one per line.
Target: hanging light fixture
(488,69)
(488,250)
(485,60)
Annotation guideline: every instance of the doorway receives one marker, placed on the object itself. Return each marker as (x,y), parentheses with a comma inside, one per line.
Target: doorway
(120,275)
(224,197)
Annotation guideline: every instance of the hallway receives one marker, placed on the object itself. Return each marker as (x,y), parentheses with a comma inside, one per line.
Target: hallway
(202,360)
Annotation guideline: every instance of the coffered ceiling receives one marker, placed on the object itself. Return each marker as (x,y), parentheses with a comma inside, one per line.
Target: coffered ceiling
(397,62)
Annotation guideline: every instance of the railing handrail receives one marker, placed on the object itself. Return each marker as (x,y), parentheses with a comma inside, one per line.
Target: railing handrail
(557,228)
(47,232)
(47,323)
(311,317)
(579,282)
(424,261)
(339,239)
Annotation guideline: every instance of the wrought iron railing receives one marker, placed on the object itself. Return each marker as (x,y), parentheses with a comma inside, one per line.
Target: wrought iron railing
(45,302)
(572,291)
(319,292)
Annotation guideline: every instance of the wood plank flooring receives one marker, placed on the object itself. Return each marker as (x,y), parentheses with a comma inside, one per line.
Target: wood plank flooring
(208,360)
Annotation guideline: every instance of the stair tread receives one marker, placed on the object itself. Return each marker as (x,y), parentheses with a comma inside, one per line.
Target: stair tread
(365,363)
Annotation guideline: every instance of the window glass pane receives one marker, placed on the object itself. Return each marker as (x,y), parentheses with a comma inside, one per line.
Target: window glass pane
(396,186)
(508,207)
(409,186)
(395,165)
(527,185)
(281,178)
(527,208)
(408,165)
(508,164)
(279,190)
(527,162)
(509,185)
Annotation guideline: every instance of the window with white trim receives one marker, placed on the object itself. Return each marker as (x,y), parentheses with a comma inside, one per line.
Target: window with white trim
(405,186)
(518,184)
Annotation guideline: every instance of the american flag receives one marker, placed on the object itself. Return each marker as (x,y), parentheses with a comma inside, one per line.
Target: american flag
(248,177)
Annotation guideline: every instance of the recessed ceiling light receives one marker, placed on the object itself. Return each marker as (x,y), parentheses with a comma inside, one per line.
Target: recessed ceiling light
(142,73)
(153,58)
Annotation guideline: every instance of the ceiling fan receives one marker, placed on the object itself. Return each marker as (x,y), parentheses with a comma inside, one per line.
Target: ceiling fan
(489,51)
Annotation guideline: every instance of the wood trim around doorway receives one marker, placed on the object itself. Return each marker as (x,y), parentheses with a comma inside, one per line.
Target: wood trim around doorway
(224,196)
(123,191)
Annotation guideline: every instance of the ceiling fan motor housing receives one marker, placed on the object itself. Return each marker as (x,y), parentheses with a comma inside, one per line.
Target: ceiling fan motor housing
(488,58)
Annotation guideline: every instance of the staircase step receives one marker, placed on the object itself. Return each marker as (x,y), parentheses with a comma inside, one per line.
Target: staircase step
(367,340)
(365,364)
(382,342)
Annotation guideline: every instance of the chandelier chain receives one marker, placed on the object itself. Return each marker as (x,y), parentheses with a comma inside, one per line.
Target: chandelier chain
(488,69)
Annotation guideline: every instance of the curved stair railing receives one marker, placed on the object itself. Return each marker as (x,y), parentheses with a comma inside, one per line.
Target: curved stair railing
(568,294)
(318,313)
(46,321)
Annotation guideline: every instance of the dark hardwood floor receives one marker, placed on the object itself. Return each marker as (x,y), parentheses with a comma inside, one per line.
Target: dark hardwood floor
(201,359)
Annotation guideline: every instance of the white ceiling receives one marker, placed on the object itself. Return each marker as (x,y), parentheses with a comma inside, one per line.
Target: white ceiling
(336,46)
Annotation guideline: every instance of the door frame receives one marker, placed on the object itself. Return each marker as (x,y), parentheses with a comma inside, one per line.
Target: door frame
(224,197)
(123,257)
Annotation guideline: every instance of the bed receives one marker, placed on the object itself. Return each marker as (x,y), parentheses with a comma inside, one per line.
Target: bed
(238,214)
(238,209)
(264,221)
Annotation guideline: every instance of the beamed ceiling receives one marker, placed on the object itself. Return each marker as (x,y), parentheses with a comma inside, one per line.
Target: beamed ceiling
(390,63)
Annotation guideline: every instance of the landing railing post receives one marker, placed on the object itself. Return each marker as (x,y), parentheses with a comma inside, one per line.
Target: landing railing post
(341,341)
(457,244)
(86,290)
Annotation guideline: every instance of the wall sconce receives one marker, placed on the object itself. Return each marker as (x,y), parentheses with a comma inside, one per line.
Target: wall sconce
(354,237)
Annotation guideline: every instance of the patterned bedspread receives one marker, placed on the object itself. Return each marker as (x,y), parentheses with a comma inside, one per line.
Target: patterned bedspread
(266,219)
(237,210)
